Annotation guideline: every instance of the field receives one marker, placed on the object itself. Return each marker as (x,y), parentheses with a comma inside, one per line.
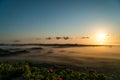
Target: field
(104,59)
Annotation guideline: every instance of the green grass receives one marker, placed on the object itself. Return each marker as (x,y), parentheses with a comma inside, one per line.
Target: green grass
(24,70)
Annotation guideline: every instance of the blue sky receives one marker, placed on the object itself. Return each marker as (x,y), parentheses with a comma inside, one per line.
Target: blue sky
(24,19)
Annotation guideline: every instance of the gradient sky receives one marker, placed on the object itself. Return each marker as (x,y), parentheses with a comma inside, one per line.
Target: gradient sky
(31,19)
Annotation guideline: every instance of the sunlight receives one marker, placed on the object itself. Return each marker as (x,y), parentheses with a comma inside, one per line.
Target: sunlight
(101,37)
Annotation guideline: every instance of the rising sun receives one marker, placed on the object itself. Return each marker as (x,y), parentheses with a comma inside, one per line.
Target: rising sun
(101,38)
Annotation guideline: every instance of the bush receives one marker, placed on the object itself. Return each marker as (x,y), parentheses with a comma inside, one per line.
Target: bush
(24,70)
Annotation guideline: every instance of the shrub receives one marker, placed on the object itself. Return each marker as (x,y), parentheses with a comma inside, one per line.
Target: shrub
(24,70)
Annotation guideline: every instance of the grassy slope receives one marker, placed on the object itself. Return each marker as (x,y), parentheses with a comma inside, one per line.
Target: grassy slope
(27,72)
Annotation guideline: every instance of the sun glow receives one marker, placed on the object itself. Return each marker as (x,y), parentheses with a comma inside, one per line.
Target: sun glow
(101,38)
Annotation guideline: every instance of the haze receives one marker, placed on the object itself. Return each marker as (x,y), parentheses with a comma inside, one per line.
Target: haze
(32,21)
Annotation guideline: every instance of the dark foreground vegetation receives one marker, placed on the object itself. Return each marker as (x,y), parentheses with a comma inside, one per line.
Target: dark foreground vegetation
(23,71)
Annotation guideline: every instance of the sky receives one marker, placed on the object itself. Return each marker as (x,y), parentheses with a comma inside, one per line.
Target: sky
(80,20)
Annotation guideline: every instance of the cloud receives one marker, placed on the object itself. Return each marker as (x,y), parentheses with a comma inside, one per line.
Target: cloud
(66,38)
(38,38)
(48,38)
(16,41)
(85,37)
(58,38)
